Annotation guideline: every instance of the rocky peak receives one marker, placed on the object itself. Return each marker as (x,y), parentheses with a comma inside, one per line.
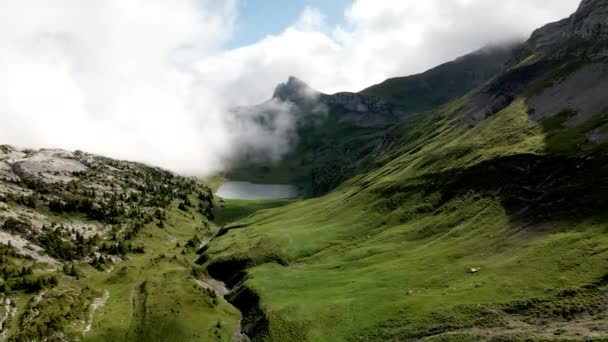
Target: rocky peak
(352,108)
(296,91)
(590,21)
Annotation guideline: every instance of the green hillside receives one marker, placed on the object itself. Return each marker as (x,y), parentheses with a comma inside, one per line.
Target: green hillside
(95,249)
(329,150)
(467,203)
(437,86)
(483,220)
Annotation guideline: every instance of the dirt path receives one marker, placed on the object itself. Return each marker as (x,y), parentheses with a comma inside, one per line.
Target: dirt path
(139,297)
(97,303)
(217,286)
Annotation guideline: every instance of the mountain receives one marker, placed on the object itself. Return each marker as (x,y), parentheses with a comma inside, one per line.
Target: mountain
(350,108)
(337,134)
(437,86)
(98,249)
(482,220)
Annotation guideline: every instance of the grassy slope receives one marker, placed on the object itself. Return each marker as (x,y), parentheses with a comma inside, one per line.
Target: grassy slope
(437,86)
(327,149)
(384,257)
(153,297)
(328,152)
(234,210)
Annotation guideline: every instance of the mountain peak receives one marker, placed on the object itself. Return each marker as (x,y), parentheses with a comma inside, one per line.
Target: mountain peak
(590,21)
(294,90)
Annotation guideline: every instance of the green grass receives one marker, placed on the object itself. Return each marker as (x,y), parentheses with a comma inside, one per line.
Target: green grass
(354,272)
(387,256)
(325,155)
(154,297)
(572,140)
(215,182)
(232,210)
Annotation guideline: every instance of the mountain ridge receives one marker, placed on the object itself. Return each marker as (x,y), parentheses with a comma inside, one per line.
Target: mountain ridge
(482,220)
(338,134)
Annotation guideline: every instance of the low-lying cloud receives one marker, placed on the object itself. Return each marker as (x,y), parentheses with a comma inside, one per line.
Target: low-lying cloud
(149,80)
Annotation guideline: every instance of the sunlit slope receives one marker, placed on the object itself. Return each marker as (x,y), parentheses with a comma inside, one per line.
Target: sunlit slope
(486,219)
(330,148)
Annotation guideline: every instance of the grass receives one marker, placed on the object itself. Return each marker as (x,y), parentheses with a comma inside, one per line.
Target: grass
(325,155)
(154,297)
(146,297)
(233,210)
(422,92)
(387,256)
(354,273)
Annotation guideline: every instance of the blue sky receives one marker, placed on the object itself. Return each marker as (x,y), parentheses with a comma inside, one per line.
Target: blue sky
(259,18)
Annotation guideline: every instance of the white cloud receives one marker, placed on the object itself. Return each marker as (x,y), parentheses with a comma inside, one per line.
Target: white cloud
(381,39)
(148,79)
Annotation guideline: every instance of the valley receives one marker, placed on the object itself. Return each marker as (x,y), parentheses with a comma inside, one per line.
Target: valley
(466,203)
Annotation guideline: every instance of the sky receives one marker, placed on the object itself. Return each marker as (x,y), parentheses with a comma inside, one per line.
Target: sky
(155,80)
(259,18)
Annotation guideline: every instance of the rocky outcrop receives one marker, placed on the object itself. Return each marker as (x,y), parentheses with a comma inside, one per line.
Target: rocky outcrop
(589,22)
(583,93)
(37,187)
(562,67)
(296,91)
(49,165)
(350,108)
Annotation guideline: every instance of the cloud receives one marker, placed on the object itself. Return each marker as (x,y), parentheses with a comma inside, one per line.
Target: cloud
(380,39)
(149,80)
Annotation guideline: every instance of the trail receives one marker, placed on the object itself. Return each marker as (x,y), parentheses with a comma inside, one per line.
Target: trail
(138,299)
(97,303)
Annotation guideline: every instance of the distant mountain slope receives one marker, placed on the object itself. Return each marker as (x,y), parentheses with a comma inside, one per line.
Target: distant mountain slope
(336,134)
(437,86)
(351,109)
(482,220)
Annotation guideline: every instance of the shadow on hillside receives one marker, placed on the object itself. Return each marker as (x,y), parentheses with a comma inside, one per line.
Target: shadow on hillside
(538,187)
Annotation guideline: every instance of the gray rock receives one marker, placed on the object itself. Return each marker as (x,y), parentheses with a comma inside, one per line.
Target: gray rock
(588,22)
(351,108)
(583,92)
(49,166)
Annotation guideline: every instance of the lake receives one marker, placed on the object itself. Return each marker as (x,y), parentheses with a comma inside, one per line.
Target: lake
(252,191)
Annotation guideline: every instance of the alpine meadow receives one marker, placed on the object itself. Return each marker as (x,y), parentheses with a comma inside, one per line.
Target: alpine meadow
(468,202)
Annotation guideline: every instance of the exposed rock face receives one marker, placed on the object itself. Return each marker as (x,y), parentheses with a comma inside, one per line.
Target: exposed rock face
(47,165)
(582,38)
(583,92)
(351,108)
(295,91)
(362,110)
(589,22)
